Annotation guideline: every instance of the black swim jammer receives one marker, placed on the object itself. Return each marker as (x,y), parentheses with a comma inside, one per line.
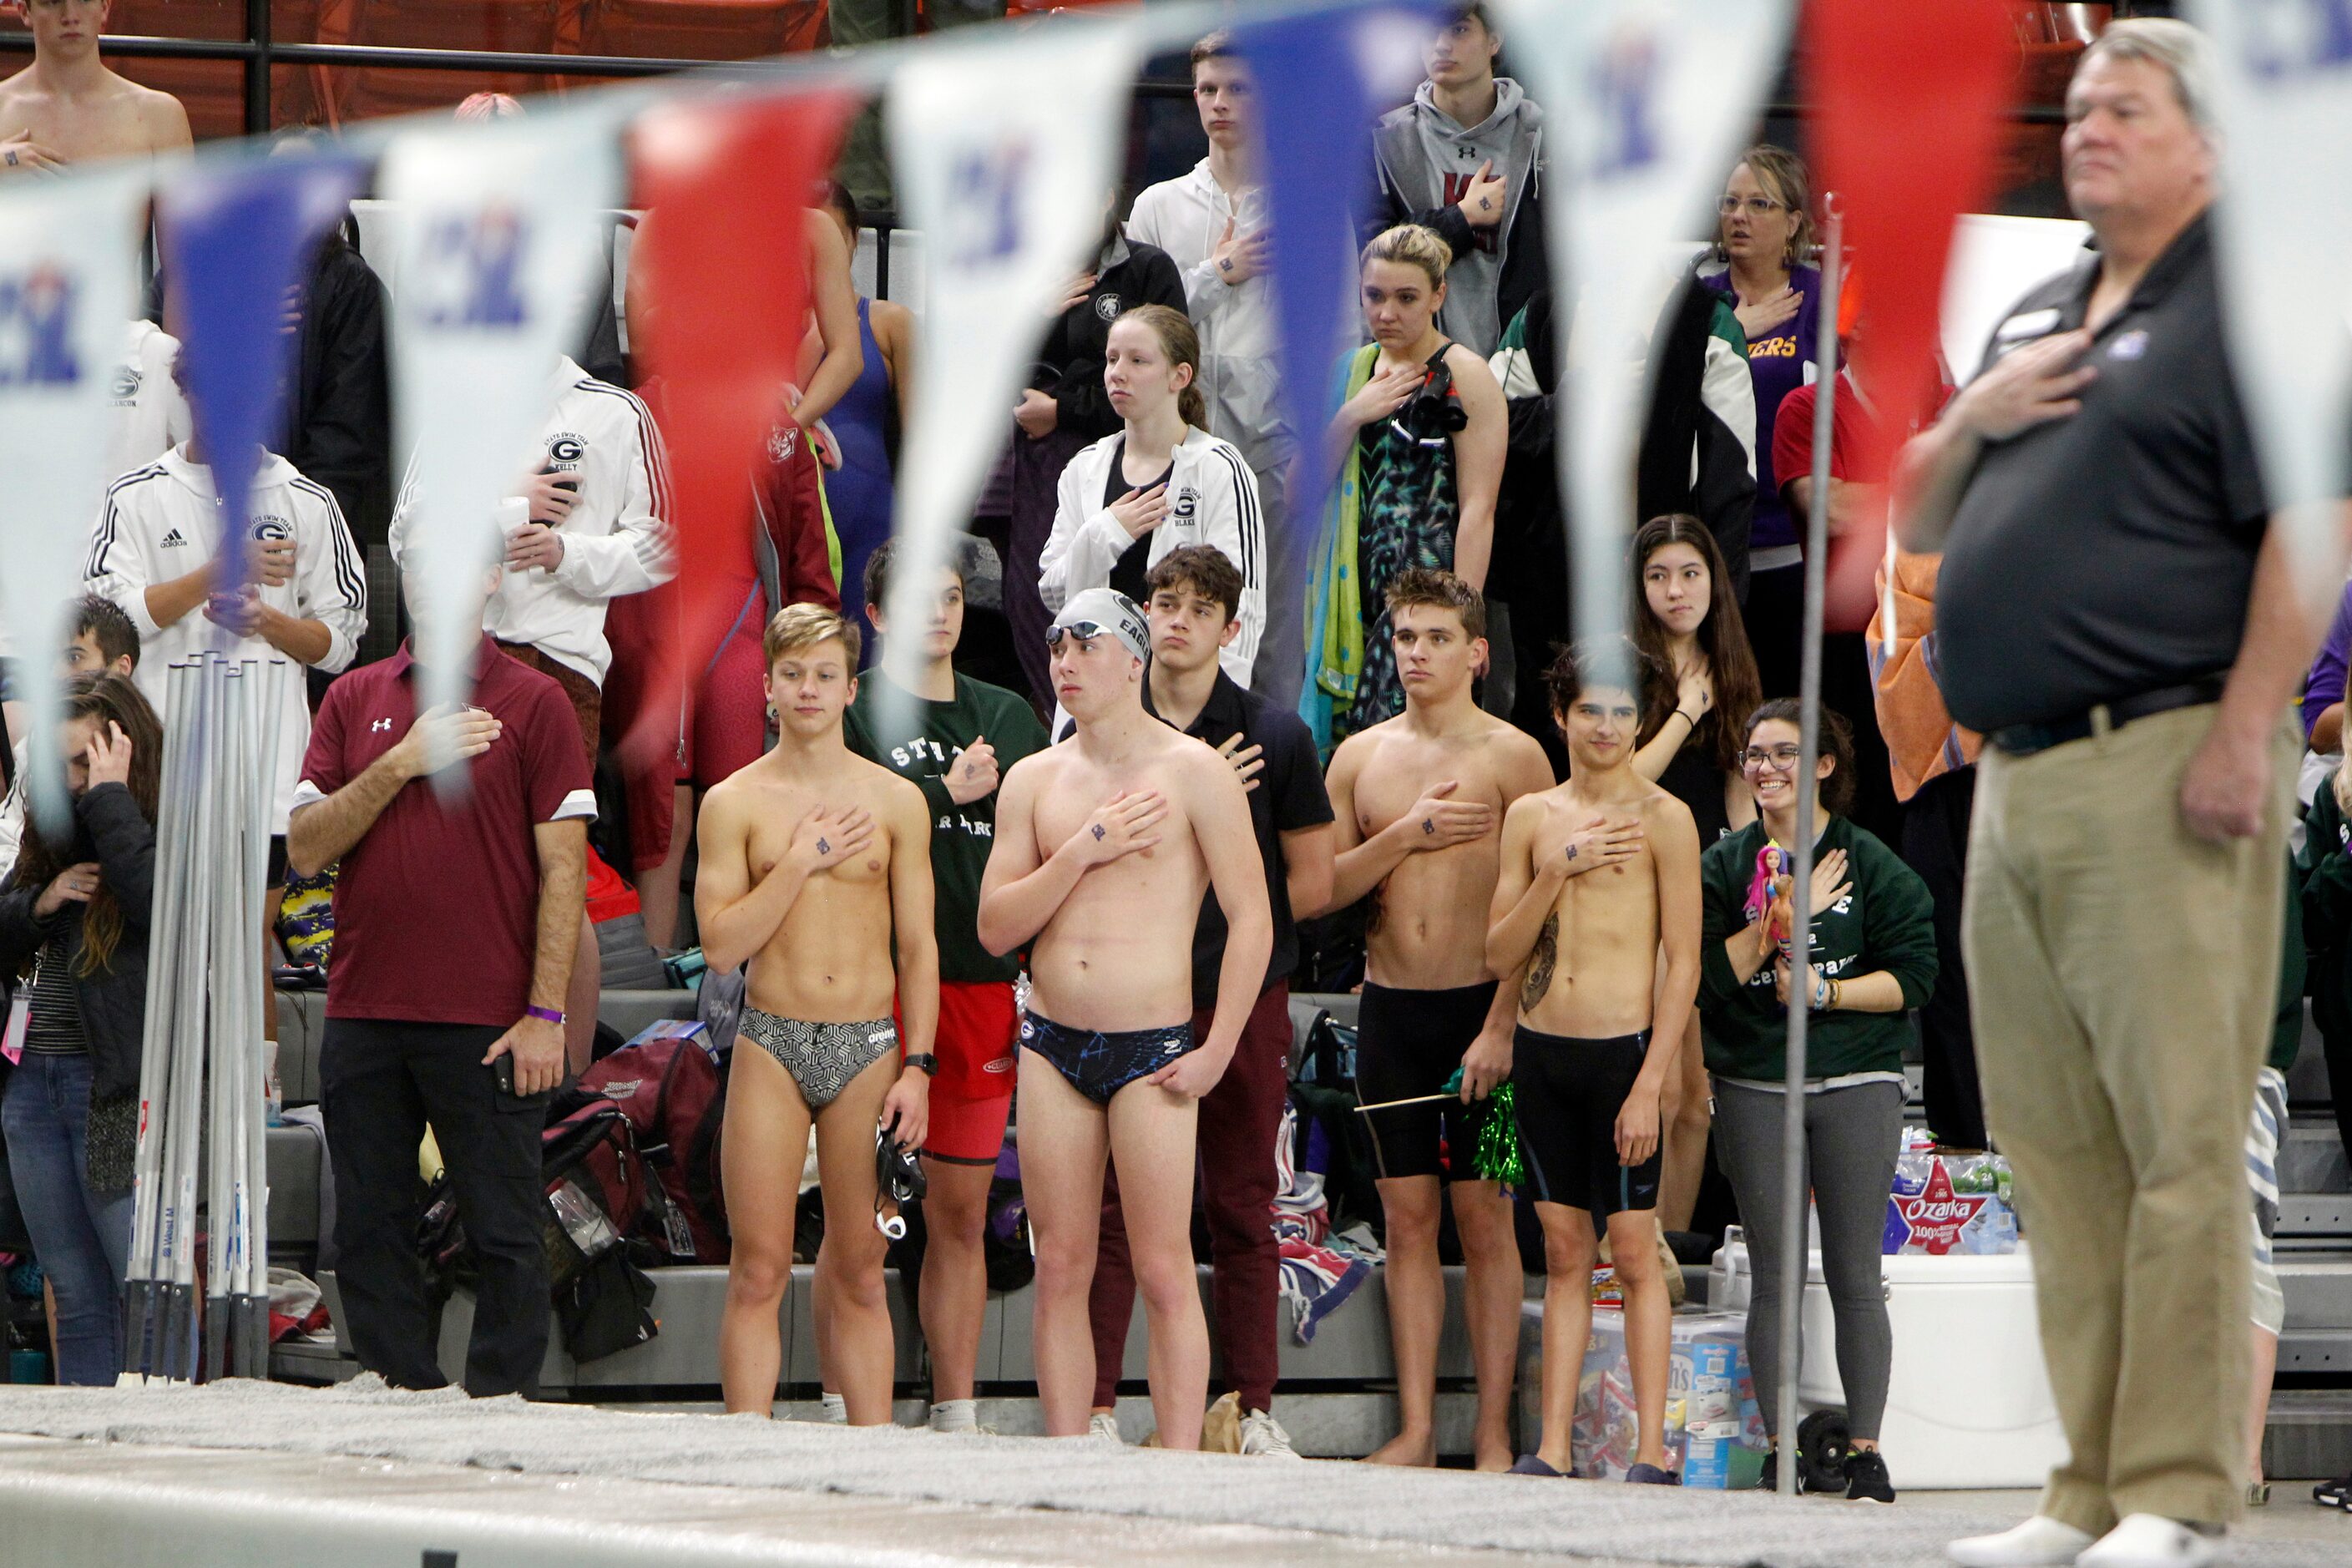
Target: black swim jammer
(1568,1095)
(1408,1043)
(1099,1064)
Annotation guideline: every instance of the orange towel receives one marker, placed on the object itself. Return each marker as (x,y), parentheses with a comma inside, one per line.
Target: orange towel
(1921,739)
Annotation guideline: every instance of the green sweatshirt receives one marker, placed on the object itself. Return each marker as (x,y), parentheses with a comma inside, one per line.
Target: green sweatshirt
(961,835)
(1885,922)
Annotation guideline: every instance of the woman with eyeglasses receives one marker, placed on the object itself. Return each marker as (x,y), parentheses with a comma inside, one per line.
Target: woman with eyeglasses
(1873,959)
(1763,247)
(1684,614)
(1420,437)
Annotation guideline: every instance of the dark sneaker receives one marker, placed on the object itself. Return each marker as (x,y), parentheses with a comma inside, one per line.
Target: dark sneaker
(1769,1480)
(1865,1477)
(1651,1475)
(1534,1465)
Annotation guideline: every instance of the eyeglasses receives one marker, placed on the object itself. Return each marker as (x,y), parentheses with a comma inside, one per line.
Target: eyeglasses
(1758,206)
(1779,759)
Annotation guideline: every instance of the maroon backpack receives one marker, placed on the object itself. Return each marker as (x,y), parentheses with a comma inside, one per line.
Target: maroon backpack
(673,1095)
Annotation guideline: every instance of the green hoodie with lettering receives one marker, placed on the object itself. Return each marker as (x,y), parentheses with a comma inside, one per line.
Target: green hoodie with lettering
(1887,922)
(961,835)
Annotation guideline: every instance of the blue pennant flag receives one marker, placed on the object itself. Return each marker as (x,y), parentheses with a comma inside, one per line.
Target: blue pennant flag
(1322,78)
(1321,85)
(238,239)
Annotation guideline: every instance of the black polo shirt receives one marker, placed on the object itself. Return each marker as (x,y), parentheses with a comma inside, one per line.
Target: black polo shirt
(1289,796)
(2111,553)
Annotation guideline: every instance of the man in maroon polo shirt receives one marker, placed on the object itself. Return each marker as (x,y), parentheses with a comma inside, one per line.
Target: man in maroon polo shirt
(456,916)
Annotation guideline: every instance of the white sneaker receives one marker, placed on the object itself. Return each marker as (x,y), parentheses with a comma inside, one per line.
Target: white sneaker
(1263,1435)
(1105,1426)
(836,1408)
(2039,1542)
(2152,1540)
(955,1416)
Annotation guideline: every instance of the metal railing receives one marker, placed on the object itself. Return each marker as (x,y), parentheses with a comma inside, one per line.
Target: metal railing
(258,51)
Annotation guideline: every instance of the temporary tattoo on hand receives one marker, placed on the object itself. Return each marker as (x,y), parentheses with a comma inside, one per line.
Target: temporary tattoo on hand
(1099,832)
(1571,852)
(1429,825)
(823,848)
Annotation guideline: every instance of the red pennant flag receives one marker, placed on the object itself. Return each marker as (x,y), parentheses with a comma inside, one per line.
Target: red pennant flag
(727,184)
(1907,122)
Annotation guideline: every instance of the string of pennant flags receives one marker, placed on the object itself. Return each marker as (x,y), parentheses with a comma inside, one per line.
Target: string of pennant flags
(1003,142)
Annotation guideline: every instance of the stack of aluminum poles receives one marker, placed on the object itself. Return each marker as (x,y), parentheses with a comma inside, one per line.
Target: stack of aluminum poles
(201,1080)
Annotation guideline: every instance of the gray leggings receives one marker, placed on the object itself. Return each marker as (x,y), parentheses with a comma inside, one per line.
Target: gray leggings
(1850,1139)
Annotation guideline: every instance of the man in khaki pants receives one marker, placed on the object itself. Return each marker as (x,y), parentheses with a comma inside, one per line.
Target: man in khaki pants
(2115,617)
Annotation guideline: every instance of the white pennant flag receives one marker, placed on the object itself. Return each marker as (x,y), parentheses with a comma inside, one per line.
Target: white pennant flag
(69,283)
(500,228)
(2283,225)
(1651,99)
(1004,153)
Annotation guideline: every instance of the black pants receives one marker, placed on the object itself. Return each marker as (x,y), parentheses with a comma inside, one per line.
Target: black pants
(381,1082)
(1936,846)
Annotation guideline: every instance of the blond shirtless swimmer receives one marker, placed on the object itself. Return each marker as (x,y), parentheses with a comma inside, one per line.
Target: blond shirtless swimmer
(68,108)
(813,860)
(1104,847)
(1599,885)
(1419,799)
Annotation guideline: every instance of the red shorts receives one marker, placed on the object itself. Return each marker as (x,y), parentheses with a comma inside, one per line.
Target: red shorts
(971,1097)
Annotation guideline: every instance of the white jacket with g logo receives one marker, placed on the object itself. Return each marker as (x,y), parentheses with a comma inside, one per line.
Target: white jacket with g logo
(1212,500)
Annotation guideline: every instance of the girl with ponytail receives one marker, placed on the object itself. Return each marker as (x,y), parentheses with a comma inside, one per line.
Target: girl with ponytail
(1161,483)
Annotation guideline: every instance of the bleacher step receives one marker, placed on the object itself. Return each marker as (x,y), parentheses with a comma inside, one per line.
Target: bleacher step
(2310,1433)
(2315,1215)
(2311,1158)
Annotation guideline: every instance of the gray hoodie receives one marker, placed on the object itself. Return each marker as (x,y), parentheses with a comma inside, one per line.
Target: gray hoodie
(1426,160)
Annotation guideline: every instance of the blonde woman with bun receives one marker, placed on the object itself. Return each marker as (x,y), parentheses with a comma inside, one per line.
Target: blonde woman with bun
(1420,434)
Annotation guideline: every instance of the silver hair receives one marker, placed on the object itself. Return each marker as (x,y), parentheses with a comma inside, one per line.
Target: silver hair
(2181,50)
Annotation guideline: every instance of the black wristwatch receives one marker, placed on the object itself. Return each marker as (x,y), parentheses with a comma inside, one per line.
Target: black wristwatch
(925,1063)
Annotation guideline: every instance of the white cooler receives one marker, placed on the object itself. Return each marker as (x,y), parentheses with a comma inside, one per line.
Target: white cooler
(1968,1405)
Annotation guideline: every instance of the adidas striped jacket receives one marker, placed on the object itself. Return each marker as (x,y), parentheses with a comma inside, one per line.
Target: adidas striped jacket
(163,521)
(1212,500)
(616,541)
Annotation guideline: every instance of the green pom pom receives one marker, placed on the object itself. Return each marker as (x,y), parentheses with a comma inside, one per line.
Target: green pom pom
(1496,1157)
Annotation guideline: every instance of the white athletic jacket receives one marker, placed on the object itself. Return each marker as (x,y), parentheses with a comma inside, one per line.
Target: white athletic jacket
(1212,500)
(164,521)
(616,541)
(12,814)
(1241,371)
(148,416)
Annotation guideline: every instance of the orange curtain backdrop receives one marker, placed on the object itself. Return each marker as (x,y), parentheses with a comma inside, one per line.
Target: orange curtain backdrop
(1905,128)
(723,259)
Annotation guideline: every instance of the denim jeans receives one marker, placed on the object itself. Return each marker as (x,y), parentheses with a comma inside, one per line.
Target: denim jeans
(81,1238)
